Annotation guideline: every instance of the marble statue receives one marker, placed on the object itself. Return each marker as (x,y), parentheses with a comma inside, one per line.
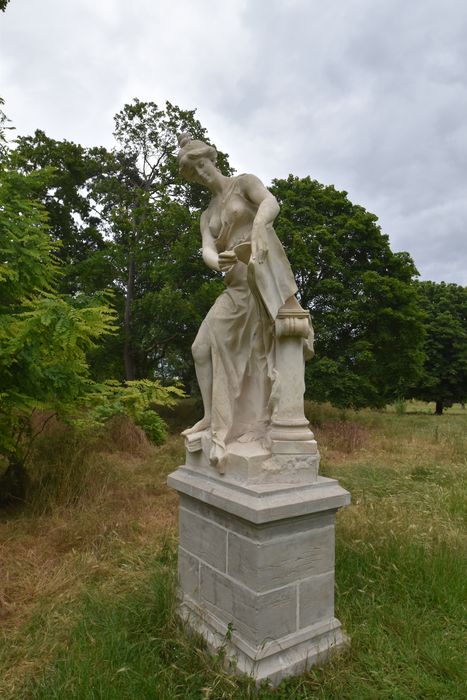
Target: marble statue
(235,349)
(256,519)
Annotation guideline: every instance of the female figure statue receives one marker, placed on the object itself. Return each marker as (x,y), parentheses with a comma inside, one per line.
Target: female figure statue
(233,351)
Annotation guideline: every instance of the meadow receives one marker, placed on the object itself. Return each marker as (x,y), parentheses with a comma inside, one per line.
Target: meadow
(88,567)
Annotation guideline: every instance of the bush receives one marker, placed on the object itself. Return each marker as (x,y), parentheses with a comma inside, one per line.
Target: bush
(153,425)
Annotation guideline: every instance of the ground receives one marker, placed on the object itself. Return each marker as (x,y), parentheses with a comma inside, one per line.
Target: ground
(87,590)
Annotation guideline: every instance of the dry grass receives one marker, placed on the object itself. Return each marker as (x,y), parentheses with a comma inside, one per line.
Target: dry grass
(103,539)
(406,475)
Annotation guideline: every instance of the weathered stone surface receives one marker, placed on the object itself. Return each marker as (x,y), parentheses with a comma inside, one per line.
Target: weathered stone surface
(188,574)
(261,616)
(271,580)
(261,531)
(203,538)
(266,565)
(275,659)
(261,503)
(316,599)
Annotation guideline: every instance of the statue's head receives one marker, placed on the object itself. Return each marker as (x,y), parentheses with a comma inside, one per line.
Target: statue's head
(190,151)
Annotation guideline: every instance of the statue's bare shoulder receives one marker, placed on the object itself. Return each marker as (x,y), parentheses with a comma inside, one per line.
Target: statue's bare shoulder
(252,188)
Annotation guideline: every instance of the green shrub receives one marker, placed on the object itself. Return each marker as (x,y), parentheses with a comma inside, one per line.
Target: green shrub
(153,425)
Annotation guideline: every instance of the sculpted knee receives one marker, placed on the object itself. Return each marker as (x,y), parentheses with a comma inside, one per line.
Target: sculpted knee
(201,353)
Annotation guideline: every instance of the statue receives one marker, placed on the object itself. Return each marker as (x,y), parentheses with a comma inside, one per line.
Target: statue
(235,350)
(256,555)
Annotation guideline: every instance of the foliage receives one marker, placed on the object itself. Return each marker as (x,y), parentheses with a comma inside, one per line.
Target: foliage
(73,216)
(44,337)
(125,220)
(75,224)
(156,237)
(444,378)
(3,4)
(134,399)
(361,295)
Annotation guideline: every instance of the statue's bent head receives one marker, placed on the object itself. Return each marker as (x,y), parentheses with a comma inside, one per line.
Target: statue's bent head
(190,151)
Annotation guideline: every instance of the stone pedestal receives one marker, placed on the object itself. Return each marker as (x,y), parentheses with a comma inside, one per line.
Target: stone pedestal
(256,566)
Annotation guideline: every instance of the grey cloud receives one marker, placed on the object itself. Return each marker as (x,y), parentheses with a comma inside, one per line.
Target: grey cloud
(368,95)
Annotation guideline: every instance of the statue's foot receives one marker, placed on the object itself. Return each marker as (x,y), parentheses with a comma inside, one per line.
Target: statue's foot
(198,427)
(216,454)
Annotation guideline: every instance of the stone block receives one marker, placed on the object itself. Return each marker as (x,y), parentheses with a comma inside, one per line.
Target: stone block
(270,564)
(203,539)
(257,531)
(188,574)
(258,617)
(261,503)
(316,599)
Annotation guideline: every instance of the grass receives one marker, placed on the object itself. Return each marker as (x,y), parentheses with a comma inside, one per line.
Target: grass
(88,585)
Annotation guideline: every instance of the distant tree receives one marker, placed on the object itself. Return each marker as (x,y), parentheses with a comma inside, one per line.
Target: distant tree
(361,295)
(3,4)
(444,378)
(46,336)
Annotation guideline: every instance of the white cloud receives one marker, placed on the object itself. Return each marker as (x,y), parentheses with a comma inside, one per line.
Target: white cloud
(366,94)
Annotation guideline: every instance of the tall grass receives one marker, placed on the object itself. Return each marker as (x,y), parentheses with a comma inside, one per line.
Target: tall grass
(111,632)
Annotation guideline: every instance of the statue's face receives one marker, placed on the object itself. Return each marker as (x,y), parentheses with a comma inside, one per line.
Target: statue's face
(204,171)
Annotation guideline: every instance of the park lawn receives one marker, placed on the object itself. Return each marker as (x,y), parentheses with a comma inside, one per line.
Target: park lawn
(87,589)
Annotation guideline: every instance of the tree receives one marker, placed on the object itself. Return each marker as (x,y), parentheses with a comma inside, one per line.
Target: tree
(77,229)
(151,219)
(444,378)
(361,295)
(124,220)
(75,222)
(3,4)
(44,337)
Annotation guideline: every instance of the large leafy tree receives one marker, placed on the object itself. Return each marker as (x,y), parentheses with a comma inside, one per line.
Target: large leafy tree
(44,336)
(76,227)
(125,220)
(444,378)
(75,221)
(150,216)
(361,296)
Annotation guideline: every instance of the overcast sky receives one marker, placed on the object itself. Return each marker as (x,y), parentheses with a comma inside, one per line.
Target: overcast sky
(369,95)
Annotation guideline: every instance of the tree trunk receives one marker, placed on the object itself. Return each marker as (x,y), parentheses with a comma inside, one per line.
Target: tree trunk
(14,483)
(439,408)
(128,355)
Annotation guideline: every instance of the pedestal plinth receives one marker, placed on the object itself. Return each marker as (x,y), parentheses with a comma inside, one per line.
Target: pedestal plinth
(256,569)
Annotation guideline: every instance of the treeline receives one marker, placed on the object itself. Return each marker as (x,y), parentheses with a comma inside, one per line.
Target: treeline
(101,278)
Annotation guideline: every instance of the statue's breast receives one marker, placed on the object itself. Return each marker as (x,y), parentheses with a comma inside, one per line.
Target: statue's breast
(237,211)
(231,220)
(215,223)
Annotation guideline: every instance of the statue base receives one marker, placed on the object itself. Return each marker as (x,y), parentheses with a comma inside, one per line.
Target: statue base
(286,461)
(256,570)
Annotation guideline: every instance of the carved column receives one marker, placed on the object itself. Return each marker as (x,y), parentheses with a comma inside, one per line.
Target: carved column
(289,424)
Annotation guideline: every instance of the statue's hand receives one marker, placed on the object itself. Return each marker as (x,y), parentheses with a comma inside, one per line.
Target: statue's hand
(259,243)
(227,259)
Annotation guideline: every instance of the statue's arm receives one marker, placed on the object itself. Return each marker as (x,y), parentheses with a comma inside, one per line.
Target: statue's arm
(268,208)
(210,255)
(254,190)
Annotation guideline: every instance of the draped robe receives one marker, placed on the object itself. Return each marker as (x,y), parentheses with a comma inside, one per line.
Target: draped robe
(239,328)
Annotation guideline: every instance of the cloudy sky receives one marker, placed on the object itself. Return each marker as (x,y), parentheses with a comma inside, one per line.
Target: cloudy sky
(369,95)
